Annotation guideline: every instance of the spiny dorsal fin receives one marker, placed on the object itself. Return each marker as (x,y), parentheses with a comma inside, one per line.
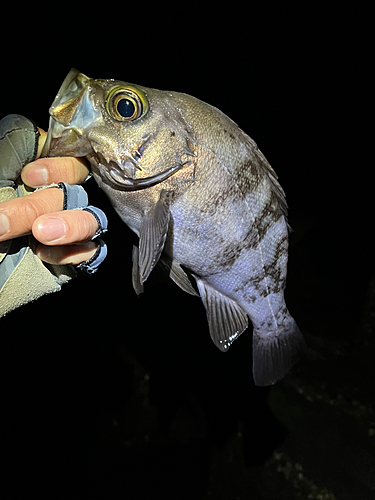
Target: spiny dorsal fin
(226,319)
(262,162)
(275,185)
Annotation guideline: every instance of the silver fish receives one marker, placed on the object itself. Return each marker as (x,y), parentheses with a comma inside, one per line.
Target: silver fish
(200,195)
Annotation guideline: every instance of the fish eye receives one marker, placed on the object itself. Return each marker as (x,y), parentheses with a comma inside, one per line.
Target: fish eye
(126,108)
(126,103)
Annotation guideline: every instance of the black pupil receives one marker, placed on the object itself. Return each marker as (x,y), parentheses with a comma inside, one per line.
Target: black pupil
(125,108)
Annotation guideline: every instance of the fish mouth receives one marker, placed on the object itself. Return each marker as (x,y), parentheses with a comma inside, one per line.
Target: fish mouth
(122,174)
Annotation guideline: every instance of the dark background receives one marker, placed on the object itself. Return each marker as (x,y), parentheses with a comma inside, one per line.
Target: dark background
(106,395)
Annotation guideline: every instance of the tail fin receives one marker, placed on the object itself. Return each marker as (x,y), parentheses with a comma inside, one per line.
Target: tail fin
(274,353)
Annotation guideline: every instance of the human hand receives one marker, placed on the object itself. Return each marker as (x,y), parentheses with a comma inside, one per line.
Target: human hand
(63,235)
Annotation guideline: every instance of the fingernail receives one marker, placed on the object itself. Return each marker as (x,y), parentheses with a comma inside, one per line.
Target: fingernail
(4,225)
(37,175)
(52,229)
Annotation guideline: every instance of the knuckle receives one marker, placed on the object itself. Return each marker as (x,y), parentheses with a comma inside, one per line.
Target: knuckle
(68,169)
(39,203)
(27,210)
(82,225)
(80,169)
(65,169)
(68,173)
(24,211)
(90,225)
(58,169)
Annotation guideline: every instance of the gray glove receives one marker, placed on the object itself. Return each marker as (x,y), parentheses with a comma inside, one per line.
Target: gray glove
(23,276)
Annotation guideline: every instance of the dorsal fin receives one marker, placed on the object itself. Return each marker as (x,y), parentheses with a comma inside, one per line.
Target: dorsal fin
(275,185)
(261,161)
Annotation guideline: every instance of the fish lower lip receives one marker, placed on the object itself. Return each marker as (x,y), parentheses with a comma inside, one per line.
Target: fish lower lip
(127,183)
(115,175)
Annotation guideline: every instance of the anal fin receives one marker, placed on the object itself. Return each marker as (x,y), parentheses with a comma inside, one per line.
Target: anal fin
(226,319)
(152,234)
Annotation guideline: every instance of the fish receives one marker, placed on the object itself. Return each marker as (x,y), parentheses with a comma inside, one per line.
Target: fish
(202,198)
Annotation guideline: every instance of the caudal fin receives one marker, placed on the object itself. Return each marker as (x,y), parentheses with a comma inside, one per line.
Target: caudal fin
(274,353)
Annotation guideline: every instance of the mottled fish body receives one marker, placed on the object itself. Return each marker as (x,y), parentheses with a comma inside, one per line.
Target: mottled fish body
(200,196)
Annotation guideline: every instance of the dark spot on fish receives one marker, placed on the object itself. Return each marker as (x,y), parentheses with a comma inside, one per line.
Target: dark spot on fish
(255,173)
(252,173)
(274,270)
(256,283)
(231,253)
(275,273)
(224,260)
(221,201)
(262,223)
(229,133)
(281,247)
(173,133)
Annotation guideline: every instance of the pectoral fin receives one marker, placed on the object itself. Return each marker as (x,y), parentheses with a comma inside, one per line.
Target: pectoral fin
(226,318)
(152,235)
(138,287)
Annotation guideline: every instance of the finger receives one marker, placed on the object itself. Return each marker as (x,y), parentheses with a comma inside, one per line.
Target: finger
(65,228)
(41,141)
(45,171)
(17,216)
(70,254)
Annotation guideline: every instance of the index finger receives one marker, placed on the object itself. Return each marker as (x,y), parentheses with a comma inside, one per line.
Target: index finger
(44,171)
(18,215)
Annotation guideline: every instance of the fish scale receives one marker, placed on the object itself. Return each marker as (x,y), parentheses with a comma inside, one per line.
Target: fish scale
(203,200)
